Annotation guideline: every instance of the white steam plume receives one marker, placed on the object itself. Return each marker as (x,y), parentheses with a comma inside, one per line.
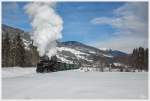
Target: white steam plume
(47,26)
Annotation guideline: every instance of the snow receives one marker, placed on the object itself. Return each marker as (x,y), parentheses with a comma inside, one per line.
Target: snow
(70,50)
(104,49)
(94,69)
(110,56)
(64,59)
(77,53)
(26,43)
(16,71)
(118,64)
(18,83)
(92,52)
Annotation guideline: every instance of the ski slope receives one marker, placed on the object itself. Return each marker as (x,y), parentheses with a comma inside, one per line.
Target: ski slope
(25,83)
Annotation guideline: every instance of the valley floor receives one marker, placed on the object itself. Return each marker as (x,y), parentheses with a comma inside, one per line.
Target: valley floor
(26,83)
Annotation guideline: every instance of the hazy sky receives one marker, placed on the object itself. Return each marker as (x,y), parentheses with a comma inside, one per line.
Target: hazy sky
(117,25)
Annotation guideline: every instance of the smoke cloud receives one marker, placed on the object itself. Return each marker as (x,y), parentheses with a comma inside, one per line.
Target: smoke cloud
(46,26)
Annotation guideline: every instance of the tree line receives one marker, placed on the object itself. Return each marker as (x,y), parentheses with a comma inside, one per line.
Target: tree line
(15,54)
(137,60)
(140,58)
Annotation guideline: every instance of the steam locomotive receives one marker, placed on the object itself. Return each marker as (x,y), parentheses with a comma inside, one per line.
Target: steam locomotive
(52,65)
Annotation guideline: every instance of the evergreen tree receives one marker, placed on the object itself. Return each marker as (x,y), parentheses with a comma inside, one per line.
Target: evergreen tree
(3,53)
(146,59)
(13,53)
(134,58)
(18,51)
(140,58)
(34,55)
(6,51)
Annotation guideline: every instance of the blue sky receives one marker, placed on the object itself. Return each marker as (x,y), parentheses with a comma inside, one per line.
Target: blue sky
(116,25)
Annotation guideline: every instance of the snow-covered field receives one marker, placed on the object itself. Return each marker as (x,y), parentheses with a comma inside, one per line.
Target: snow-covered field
(25,83)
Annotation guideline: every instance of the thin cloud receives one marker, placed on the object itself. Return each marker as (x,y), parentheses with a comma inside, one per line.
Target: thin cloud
(131,22)
(125,44)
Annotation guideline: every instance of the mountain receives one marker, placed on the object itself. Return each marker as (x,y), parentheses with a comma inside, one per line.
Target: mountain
(73,51)
(70,51)
(114,53)
(117,53)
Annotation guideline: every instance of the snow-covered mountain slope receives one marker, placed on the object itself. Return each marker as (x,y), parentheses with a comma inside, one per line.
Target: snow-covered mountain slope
(77,52)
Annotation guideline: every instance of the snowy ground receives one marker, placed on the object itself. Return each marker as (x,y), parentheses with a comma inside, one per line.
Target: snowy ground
(25,83)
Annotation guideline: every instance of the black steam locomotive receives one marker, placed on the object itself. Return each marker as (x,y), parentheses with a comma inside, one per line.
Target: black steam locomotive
(52,65)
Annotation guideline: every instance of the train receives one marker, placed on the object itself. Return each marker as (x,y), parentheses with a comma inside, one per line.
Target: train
(46,65)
